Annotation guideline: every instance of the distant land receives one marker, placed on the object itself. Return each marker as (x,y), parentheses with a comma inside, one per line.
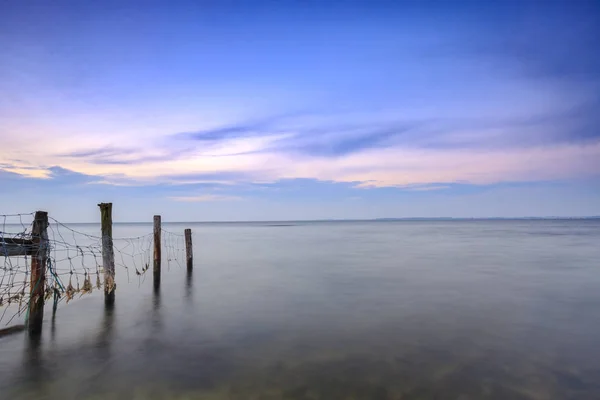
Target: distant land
(479,218)
(386,219)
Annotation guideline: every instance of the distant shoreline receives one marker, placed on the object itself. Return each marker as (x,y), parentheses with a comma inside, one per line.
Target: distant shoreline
(458,219)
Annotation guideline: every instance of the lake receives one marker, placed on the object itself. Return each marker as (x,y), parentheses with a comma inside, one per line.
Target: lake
(473,309)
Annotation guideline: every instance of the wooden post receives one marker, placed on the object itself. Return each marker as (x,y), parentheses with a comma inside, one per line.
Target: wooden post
(189,255)
(108,254)
(39,235)
(157,252)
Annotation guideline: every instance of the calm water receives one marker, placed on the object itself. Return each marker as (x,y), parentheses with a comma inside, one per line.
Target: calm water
(345,310)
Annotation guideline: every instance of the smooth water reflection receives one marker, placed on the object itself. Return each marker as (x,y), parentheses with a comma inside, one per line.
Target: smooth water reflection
(387,310)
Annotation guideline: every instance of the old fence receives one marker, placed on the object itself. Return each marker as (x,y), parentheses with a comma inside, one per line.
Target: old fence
(45,260)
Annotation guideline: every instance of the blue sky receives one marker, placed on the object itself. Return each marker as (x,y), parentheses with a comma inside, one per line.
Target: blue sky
(300,110)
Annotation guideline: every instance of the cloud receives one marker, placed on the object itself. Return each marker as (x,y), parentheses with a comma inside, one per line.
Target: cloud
(341,140)
(256,127)
(317,134)
(338,135)
(111,155)
(24,170)
(204,198)
(425,188)
(372,152)
(399,167)
(226,132)
(107,151)
(43,180)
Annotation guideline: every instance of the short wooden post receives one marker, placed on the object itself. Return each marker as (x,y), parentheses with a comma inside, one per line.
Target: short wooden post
(189,255)
(39,235)
(157,251)
(108,254)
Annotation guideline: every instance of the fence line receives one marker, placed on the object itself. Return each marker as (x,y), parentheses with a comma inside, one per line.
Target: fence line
(73,261)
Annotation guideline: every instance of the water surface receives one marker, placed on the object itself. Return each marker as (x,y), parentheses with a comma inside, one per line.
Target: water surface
(335,310)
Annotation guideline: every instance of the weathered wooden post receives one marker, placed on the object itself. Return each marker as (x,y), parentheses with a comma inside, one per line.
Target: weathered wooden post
(189,255)
(39,235)
(108,254)
(157,252)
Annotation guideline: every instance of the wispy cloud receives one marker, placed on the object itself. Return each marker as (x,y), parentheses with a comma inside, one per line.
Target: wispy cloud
(204,198)
(425,188)
(26,171)
(438,152)
(106,151)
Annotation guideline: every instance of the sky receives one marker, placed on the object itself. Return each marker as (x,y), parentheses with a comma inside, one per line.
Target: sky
(275,110)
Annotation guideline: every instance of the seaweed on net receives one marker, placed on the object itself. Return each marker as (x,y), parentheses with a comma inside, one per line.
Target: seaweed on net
(98,283)
(70,292)
(87,285)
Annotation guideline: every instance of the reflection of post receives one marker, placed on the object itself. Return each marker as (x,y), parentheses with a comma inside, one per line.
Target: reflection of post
(31,372)
(108,255)
(53,327)
(189,255)
(104,337)
(157,251)
(156,299)
(188,284)
(156,319)
(107,326)
(39,234)
(33,358)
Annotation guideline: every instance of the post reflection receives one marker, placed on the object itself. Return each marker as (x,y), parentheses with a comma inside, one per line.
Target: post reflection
(105,334)
(156,306)
(33,365)
(189,284)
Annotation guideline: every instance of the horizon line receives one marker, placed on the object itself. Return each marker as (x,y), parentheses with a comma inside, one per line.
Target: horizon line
(384,219)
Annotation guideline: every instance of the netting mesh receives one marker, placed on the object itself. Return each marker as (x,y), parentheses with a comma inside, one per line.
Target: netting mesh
(173,245)
(74,261)
(15,271)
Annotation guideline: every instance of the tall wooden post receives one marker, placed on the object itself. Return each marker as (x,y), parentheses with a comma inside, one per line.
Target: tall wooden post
(189,255)
(108,254)
(39,235)
(157,252)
